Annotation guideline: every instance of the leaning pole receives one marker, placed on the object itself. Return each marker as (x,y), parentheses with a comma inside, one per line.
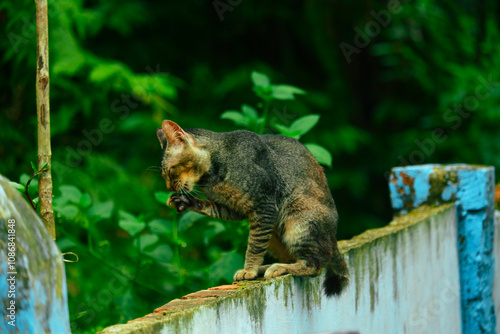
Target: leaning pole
(43,117)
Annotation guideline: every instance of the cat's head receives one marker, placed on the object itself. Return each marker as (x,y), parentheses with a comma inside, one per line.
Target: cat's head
(184,161)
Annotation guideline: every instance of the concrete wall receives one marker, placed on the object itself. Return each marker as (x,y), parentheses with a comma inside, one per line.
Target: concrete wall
(496,285)
(32,277)
(404,279)
(472,189)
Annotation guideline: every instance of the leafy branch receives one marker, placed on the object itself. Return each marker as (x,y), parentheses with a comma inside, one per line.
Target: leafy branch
(249,118)
(24,189)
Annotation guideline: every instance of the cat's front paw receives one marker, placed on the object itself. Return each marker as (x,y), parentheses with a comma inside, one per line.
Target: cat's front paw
(180,202)
(245,274)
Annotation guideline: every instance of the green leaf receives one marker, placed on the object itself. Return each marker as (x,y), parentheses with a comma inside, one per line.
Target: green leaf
(130,223)
(33,166)
(160,226)
(162,253)
(237,117)
(287,131)
(188,219)
(85,201)
(249,111)
(102,210)
(260,79)
(24,178)
(163,196)
(146,240)
(322,155)
(60,201)
(225,267)
(304,124)
(106,71)
(17,186)
(286,92)
(72,193)
(67,211)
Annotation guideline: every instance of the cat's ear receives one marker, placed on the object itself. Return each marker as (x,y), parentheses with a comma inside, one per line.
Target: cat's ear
(161,137)
(174,134)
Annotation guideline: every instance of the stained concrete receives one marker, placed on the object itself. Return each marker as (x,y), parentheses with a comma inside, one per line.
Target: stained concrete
(404,279)
(39,284)
(471,188)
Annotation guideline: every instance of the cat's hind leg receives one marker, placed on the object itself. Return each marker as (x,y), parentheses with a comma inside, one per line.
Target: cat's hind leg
(278,251)
(304,240)
(299,268)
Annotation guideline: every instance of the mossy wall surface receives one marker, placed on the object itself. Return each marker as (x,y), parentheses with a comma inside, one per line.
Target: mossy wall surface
(496,285)
(404,279)
(39,283)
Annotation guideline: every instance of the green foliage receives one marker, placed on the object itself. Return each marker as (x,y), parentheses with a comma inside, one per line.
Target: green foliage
(128,247)
(250,119)
(26,187)
(119,68)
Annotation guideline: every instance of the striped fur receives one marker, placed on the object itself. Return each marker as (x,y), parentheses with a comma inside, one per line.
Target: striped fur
(274,182)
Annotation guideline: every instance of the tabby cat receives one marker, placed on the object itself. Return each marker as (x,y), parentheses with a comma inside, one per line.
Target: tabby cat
(274,182)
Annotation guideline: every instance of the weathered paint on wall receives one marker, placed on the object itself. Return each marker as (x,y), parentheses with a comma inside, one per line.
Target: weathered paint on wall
(40,282)
(404,279)
(472,189)
(496,285)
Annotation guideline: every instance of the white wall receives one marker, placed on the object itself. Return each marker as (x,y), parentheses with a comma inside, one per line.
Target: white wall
(404,279)
(406,282)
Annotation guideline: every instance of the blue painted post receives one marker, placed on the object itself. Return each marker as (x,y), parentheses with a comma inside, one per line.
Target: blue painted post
(472,189)
(33,292)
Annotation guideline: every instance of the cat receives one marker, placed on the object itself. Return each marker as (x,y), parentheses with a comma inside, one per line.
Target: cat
(272,180)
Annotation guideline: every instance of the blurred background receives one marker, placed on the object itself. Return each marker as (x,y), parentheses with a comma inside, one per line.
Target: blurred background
(394,83)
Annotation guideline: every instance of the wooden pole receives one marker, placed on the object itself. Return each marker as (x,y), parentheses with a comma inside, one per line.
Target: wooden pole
(43,117)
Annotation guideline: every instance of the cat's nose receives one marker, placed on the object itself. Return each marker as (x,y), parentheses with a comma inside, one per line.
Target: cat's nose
(169,186)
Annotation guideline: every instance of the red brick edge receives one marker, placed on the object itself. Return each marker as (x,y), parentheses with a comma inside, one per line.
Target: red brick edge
(193,299)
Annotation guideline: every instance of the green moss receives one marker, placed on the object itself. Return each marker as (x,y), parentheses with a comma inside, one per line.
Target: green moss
(439,180)
(255,301)
(393,242)
(374,274)
(285,285)
(358,278)
(311,287)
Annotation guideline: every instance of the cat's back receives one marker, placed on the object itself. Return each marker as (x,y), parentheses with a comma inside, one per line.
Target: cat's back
(274,153)
(290,154)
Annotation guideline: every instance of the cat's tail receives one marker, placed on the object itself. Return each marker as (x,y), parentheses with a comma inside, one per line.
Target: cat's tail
(337,276)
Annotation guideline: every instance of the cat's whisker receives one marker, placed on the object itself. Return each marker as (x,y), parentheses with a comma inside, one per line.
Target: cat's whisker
(188,194)
(153,169)
(196,192)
